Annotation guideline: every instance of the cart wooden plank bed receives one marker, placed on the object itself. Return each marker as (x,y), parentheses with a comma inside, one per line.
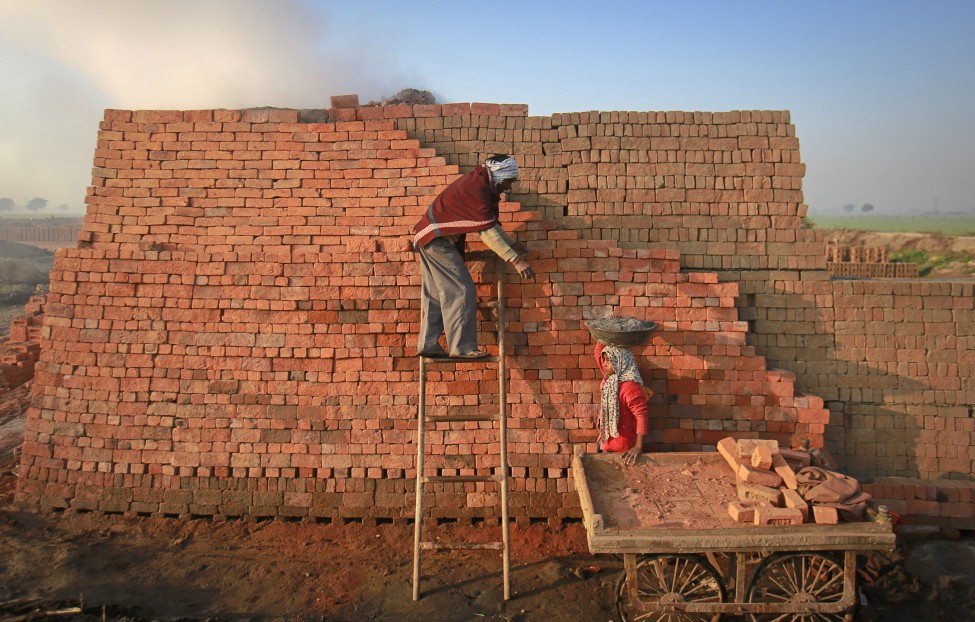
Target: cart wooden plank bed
(677,567)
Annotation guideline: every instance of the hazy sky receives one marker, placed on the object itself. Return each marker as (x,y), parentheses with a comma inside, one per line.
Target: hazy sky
(882,93)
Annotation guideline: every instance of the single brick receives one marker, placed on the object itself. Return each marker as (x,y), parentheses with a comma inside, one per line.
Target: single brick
(728,449)
(762,457)
(754,492)
(783,470)
(777,516)
(344,101)
(758,476)
(794,500)
(742,511)
(746,446)
(797,459)
(825,515)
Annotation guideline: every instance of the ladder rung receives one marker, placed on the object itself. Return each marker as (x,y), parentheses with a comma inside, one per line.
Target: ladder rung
(467,546)
(445,360)
(451,479)
(448,418)
(490,304)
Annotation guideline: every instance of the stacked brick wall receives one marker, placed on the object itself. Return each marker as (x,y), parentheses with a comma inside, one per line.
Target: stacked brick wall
(856,254)
(645,179)
(866,262)
(874,270)
(905,356)
(40,231)
(20,352)
(725,189)
(235,334)
(946,504)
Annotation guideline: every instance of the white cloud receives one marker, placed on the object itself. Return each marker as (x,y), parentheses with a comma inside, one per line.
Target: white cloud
(64,61)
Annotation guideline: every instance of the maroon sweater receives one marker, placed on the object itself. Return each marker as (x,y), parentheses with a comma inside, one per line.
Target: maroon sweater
(467,205)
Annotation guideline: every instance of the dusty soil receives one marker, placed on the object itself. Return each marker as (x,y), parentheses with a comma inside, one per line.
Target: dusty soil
(662,496)
(161,568)
(127,568)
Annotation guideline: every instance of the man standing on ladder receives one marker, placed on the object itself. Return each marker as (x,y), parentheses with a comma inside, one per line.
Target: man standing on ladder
(447,299)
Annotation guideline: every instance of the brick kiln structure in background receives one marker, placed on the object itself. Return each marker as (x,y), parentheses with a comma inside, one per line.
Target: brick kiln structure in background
(234,334)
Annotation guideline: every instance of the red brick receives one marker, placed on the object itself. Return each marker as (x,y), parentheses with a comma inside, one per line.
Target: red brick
(746,446)
(762,458)
(763,494)
(742,511)
(758,476)
(794,500)
(485,109)
(798,460)
(729,451)
(777,516)
(344,101)
(825,515)
(783,470)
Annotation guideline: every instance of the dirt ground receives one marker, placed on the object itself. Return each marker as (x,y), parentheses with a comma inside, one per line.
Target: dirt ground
(167,569)
(124,568)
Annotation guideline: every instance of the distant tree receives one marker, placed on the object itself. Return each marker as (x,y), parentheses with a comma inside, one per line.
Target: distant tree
(36,204)
(7,204)
(64,207)
(849,207)
(867,207)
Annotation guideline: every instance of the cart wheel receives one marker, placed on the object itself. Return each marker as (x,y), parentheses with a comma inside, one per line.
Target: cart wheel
(669,579)
(797,578)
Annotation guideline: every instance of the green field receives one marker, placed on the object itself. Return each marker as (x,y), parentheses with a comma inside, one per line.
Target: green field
(948,225)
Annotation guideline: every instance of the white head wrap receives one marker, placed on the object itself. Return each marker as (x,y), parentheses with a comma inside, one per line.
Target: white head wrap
(505,169)
(625,369)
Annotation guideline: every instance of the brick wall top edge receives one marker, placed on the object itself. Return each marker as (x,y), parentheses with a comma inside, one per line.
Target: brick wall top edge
(254,115)
(291,115)
(673,117)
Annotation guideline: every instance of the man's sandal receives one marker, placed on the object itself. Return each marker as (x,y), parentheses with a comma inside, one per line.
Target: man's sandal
(473,354)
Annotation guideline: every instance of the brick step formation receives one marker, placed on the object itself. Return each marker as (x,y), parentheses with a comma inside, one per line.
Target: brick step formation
(20,353)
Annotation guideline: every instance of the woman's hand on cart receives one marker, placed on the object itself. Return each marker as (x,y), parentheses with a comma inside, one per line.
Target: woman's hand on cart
(630,456)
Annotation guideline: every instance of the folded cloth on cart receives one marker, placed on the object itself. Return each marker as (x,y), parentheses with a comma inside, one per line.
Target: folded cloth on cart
(822,487)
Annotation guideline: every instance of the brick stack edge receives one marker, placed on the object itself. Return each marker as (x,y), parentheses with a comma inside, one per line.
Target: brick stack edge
(20,352)
(234,333)
(866,262)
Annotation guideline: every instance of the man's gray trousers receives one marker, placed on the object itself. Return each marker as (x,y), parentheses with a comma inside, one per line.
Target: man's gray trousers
(447,301)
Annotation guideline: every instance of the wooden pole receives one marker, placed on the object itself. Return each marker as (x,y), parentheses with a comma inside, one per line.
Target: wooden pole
(418,520)
(503,417)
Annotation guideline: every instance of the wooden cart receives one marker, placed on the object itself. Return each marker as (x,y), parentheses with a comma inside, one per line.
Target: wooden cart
(677,570)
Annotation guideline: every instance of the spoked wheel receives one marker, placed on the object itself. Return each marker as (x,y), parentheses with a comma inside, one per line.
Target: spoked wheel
(672,579)
(797,579)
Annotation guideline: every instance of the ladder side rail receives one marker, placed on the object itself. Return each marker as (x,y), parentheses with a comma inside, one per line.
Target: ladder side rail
(418,519)
(503,417)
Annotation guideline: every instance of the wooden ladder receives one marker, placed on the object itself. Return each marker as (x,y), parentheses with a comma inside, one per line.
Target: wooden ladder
(500,476)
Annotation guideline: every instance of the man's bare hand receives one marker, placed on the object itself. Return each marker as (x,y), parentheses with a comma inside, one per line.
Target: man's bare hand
(523,268)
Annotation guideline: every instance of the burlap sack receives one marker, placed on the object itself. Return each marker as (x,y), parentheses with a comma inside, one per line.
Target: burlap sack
(821,487)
